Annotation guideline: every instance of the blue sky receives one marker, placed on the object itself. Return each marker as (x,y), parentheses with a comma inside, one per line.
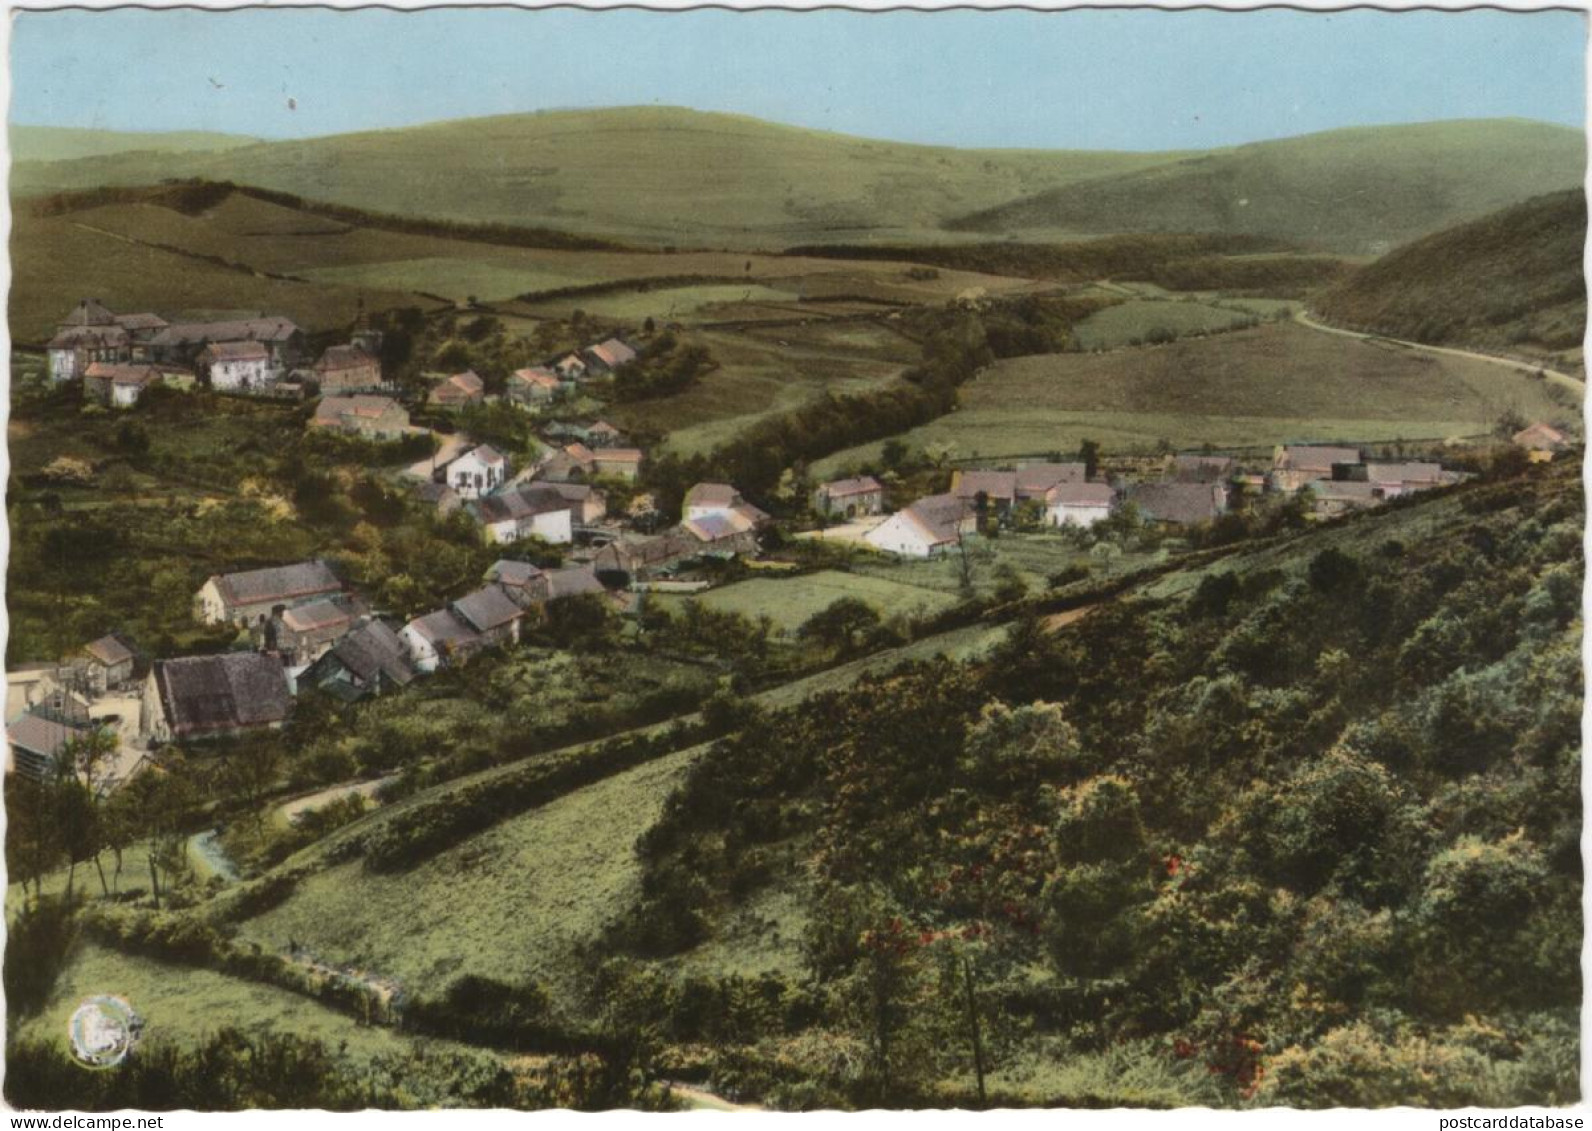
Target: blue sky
(1081,79)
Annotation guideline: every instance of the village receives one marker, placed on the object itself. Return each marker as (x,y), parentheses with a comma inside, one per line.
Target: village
(303,631)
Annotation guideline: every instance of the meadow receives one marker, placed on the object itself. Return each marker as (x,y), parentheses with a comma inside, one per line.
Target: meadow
(1138,320)
(789,602)
(1248,388)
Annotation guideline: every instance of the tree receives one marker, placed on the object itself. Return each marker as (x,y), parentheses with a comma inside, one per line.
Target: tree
(1089,456)
(840,627)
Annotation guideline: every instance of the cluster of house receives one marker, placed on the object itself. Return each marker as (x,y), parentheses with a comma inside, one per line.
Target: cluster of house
(119,356)
(1190,489)
(538,384)
(716,523)
(310,631)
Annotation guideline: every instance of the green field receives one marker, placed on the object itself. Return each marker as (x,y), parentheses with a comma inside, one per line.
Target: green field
(670,304)
(1254,387)
(518,901)
(791,601)
(1130,322)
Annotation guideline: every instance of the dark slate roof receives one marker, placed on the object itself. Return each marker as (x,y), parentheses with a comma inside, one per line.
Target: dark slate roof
(89,312)
(277,583)
(522,502)
(992,484)
(343,357)
(572,582)
(488,608)
(236,351)
(443,627)
(103,337)
(206,694)
(374,649)
(507,572)
(266,329)
(1037,478)
(1176,502)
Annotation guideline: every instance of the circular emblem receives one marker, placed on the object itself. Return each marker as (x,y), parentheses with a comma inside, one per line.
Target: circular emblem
(104,1029)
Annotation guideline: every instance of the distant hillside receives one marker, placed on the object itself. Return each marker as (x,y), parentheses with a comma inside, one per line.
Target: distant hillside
(1359,191)
(664,175)
(1512,278)
(50,143)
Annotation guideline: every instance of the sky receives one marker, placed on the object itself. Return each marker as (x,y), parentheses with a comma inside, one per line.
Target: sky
(1084,79)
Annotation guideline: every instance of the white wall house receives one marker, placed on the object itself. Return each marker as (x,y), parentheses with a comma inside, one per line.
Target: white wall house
(238,366)
(479,471)
(1078,504)
(553,526)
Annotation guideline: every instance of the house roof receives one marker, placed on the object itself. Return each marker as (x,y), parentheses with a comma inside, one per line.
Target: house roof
(571,582)
(364,406)
(1344,490)
(1177,502)
(613,353)
(712,495)
(508,572)
(617,455)
(39,735)
(343,357)
(1037,478)
(460,386)
(141,321)
(443,627)
(320,615)
(991,484)
(1540,435)
(236,351)
(108,651)
(275,583)
(937,517)
(602,427)
(103,336)
(1077,494)
(488,608)
(374,649)
(717,526)
(1202,468)
(578,452)
(216,693)
(263,329)
(118,373)
(1314,458)
(536,375)
(574,492)
(844,488)
(89,312)
(523,502)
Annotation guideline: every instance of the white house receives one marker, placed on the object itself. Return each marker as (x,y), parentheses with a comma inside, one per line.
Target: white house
(479,471)
(531,511)
(720,500)
(1078,504)
(931,526)
(238,366)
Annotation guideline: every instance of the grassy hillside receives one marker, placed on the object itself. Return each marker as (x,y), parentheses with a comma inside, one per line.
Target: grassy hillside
(53,143)
(1248,387)
(1511,279)
(1356,190)
(659,174)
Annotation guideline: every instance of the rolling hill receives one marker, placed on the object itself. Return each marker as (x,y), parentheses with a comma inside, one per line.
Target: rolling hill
(1359,191)
(1511,279)
(660,174)
(50,143)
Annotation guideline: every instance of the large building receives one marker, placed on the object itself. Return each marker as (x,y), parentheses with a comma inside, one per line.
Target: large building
(249,598)
(201,697)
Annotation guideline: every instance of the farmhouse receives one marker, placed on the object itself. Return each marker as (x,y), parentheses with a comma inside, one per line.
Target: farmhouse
(621,463)
(237,366)
(931,526)
(304,633)
(1078,504)
(92,333)
(571,464)
(720,500)
(36,743)
(1000,490)
(118,384)
(370,660)
(184,342)
(106,663)
(210,696)
(1293,466)
(1395,479)
(1179,504)
(606,356)
(477,472)
(347,369)
(640,558)
(849,497)
(1542,440)
(458,391)
(525,583)
(486,617)
(536,385)
(530,511)
(374,418)
(250,597)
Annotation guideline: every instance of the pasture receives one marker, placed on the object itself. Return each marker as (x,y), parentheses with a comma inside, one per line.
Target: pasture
(1248,388)
(1138,320)
(790,601)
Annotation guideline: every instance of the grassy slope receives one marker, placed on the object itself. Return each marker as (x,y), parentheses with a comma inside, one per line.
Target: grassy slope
(1352,190)
(1512,278)
(790,601)
(55,143)
(1249,387)
(662,174)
